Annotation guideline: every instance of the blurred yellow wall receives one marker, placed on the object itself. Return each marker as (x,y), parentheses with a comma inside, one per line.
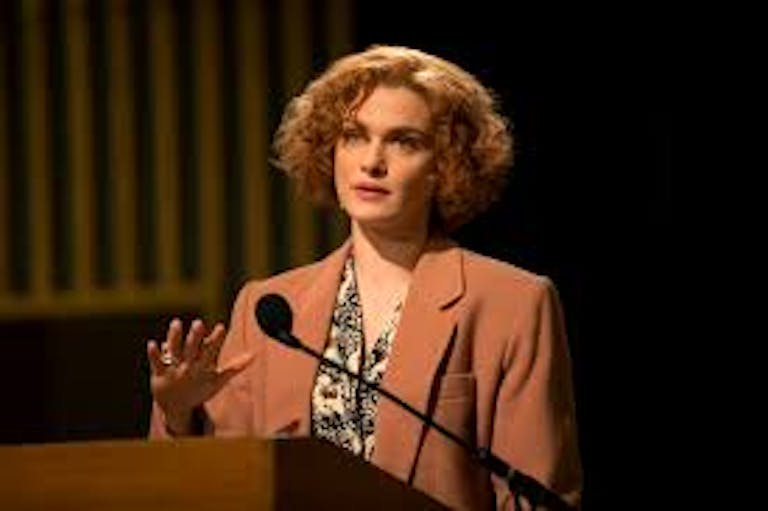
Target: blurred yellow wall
(134,151)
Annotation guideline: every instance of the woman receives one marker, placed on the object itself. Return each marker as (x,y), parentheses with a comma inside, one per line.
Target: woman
(410,147)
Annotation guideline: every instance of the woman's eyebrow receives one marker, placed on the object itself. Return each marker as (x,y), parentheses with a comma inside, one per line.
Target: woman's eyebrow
(395,130)
(407,130)
(351,123)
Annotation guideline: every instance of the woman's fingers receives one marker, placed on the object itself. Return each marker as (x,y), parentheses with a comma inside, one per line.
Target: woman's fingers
(194,338)
(155,358)
(187,370)
(191,377)
(234,367)
(196,351)
(209,352)
(173,339)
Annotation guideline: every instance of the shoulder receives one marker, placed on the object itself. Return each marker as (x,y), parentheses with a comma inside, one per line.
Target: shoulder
(296,283)
(506,295)
(290,282)
(521,306)
(493,275)
(293,278)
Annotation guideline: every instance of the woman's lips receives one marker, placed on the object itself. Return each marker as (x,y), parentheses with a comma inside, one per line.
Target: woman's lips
(369,192)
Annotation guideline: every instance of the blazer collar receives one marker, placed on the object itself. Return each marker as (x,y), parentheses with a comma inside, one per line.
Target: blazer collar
(423,335)
(292,372)
(318,299)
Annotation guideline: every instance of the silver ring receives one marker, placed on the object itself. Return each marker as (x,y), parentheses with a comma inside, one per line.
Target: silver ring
(167,358)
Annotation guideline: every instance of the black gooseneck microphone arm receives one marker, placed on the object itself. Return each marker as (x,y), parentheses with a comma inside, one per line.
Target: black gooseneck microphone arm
(274,316)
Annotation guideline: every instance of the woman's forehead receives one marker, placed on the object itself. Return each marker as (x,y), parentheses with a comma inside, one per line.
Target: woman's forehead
(393,105)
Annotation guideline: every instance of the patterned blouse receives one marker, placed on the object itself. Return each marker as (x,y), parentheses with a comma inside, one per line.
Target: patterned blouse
(343,411)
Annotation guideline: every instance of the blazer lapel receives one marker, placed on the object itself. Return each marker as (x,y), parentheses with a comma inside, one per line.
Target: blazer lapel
(292,372)
(424,332)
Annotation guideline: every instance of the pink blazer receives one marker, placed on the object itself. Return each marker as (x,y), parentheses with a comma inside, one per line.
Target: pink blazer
(480,346)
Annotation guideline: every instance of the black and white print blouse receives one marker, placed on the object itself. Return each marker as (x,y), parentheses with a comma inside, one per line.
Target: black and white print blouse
(343,411)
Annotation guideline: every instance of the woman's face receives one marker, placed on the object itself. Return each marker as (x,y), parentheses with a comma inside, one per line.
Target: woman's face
(384,162)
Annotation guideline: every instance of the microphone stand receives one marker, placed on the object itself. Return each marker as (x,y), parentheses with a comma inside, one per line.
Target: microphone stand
(518,482)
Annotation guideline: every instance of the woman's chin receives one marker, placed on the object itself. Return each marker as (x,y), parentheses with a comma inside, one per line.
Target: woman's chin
(376,222)
(365,214)
(392,227)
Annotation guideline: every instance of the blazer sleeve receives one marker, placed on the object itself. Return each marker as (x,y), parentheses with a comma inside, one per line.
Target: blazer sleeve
(534,423)
(229,412)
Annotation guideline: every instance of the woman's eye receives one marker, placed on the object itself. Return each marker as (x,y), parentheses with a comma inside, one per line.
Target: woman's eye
(350,136)
(409,143)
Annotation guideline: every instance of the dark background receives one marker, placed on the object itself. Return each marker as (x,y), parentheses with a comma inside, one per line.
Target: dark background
(587,89)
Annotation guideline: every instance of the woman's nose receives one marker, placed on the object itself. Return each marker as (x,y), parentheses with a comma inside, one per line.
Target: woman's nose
(373,162)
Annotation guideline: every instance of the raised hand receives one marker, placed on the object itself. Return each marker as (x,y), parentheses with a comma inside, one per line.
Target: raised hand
(185,375)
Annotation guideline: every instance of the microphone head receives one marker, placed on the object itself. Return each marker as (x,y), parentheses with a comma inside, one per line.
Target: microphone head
(274,315)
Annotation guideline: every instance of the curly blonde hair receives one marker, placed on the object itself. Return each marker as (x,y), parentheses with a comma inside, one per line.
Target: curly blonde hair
(472,141)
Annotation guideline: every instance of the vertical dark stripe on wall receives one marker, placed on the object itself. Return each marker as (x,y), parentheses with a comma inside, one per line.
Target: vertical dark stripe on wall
(232,151)
(61,182)
(319,36)
(278,210)
(4,157)
(99,49)
(18,182)
(146,261)
(320,56)
(188,157)
(5,240)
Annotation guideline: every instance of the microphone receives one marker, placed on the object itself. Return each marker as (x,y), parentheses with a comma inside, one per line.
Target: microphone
(274,316)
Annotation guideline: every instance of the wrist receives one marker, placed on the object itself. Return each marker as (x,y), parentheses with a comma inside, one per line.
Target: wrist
(178,422)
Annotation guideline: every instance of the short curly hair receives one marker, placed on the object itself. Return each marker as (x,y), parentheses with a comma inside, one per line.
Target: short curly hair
(472,140)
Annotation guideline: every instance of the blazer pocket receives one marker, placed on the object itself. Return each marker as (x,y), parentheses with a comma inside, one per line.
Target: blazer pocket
(455,405)
(457,386)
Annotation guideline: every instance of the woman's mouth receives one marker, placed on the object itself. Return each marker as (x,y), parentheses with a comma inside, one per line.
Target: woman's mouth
(370,192)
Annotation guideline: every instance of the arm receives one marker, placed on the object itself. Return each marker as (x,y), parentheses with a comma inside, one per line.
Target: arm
(534,422)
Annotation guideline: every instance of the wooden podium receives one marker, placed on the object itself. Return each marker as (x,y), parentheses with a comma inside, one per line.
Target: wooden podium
(197,474)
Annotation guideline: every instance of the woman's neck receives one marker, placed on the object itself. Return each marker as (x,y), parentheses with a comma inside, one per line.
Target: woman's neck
(385,256)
